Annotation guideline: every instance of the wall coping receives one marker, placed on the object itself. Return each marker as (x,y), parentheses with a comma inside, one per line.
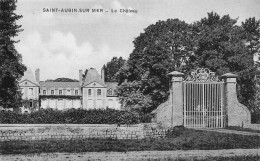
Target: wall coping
(175,74)
(229,75)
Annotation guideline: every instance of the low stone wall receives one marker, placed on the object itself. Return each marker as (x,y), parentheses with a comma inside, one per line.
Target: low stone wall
(78,131)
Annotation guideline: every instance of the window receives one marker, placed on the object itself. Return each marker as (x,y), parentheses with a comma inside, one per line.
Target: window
(68,92)
(52,92)
(44,92)
(31,91)
(110,92)
(89,92)
(60,92)
(76,92)
(99,92)
(25,83)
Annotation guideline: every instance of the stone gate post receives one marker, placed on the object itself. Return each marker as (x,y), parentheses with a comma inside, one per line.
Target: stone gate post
(176,98)
(237,113)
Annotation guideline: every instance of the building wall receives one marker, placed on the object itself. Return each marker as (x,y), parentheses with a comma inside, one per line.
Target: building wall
(99,102)
(113,103)
(60,104)
(92,100)
(30,95)
(56,91)
(29,90)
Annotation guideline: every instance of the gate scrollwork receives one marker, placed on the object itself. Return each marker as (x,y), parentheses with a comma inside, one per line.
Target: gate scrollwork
(202,75)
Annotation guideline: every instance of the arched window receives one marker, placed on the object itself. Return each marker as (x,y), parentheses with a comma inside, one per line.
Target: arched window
(110,92)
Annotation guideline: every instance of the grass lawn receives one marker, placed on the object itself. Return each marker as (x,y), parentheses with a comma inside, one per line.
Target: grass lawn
(242,129)
(177,139)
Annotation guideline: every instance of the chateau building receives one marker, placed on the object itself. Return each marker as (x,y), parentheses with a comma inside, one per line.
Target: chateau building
(90,92)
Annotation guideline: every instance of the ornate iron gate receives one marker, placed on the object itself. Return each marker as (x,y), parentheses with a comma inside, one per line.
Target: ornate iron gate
(203,100)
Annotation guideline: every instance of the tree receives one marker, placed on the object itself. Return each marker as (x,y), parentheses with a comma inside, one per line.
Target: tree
(11,67)
(162,48)
(214,42)
(112,67)
(222,47)
(252,34)
(251,37)
(62,80)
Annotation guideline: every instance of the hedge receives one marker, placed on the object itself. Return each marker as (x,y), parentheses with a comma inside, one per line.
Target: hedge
(73,116)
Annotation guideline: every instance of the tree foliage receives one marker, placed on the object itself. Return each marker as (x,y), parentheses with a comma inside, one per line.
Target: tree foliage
(214,42)
(222,47)
(62,80)
(162,48)
(112,67)
(11,67)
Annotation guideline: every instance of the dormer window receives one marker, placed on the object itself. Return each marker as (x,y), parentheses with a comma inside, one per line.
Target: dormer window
(60,92)
(44,92)
(110,92)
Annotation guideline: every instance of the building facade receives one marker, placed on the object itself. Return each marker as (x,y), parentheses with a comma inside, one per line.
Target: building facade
(90,92)
(30,87)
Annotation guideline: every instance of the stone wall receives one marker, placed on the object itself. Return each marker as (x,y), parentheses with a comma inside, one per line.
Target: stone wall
(237,113)
(79,131)
(163,114)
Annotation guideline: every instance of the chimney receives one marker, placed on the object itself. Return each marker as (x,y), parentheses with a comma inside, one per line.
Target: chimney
(80,77)
(37,75)
(103,74)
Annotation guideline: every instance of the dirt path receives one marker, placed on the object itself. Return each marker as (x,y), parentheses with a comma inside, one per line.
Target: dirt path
(142,155)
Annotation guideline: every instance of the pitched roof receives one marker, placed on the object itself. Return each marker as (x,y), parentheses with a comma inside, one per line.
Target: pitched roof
(57,85)
(93,76)
(29,75)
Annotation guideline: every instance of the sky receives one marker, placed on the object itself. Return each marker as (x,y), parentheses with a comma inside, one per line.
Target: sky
(61,43)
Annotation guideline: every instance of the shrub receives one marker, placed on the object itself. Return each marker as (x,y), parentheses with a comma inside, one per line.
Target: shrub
(175,132)
(72,116)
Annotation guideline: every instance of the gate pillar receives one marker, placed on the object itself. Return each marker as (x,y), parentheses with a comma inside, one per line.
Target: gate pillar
(237,113)
(176,98)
